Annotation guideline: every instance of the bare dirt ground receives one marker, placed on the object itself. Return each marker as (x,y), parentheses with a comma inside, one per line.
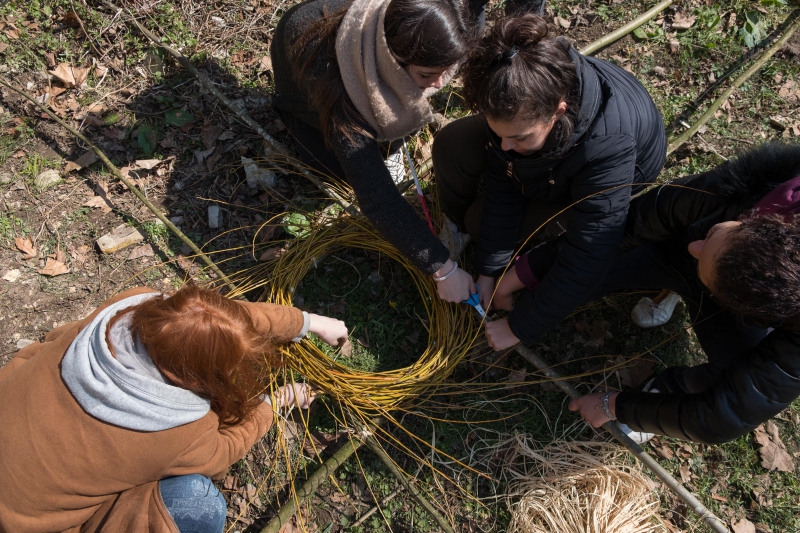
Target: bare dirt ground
(187,152)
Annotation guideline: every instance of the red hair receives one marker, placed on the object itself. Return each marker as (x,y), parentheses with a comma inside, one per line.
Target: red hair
(207,344)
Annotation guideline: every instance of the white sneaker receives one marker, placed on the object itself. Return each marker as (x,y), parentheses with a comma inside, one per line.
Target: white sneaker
(646,314)
(397,167)
(454,240)
(639,437)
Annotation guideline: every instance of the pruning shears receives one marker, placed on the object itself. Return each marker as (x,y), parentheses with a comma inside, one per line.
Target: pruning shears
(475,301)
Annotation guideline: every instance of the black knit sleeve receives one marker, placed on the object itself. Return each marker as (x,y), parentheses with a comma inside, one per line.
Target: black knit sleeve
(384,206)
(758,386)
(595,227)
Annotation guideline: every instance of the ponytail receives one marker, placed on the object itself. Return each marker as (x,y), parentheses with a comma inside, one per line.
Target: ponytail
(517,70)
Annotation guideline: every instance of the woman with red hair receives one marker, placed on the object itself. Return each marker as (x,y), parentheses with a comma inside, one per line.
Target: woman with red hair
(116,422)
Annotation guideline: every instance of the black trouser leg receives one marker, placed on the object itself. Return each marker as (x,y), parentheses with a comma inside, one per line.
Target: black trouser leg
(459,162)
(722,335)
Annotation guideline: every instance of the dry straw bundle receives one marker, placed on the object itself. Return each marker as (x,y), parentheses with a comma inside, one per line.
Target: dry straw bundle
(579,487)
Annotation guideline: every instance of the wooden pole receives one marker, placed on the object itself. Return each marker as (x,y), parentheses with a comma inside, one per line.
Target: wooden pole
(135,190)
(626,29)
(755,67)
(690,499)
(311,485)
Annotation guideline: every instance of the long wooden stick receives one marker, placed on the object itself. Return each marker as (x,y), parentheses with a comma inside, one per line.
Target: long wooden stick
(626,29)
(311,485)
(755,67)
(690,499)
(135,190)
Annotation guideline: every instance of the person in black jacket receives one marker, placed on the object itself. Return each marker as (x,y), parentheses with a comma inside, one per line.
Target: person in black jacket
(352,79)
(727,241)
(556,136)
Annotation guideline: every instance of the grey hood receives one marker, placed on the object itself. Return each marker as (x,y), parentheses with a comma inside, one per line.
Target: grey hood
(128,392)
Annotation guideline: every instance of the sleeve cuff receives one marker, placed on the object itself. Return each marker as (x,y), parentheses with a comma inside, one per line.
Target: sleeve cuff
(304,331)
(524,272)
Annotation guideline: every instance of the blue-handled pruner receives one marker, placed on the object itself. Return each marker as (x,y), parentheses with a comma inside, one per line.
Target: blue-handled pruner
(475,301)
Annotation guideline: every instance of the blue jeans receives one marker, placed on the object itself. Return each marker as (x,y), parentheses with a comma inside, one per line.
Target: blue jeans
(194,503)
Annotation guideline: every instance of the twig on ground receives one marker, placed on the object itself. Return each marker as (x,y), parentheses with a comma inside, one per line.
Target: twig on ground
(114,170)
(311,485)
(626,29)
(744,76)
(377,506)
(690,499)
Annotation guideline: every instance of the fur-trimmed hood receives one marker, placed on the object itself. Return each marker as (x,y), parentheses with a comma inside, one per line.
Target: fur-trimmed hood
(751,175)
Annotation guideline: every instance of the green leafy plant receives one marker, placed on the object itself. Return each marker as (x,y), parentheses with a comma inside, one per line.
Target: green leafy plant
(147,139)
(178,118)
(753,31)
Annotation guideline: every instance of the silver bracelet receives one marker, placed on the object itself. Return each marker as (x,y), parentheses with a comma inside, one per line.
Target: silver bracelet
(606,408)
(455,267)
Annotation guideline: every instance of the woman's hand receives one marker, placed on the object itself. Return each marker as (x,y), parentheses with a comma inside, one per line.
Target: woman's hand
(296,394)
(486,286)
(499,335)
(328,329)
(591,408)
(504,294)
(458,285)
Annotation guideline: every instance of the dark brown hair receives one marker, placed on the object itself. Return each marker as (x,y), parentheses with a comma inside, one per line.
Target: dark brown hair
(757,273)
(207,344)
(425,33)
(516,69)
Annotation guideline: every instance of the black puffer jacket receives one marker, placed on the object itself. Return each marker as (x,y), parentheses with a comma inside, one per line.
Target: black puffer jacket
(618,141)
(767,379)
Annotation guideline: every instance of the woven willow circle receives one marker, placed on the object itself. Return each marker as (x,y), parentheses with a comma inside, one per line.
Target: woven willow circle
(452,328)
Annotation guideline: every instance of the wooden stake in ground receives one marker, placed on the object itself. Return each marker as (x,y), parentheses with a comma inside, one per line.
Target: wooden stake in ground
(311,485)
(743,77)
(690,499)
(135,190)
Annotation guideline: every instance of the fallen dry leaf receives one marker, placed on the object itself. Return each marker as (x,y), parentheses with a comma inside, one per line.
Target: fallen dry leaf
(743,526)
(85,160)
(79,254)
(3,47)
(663,451)
(99,202)
(59,256)
(686,473)
(719,498)
(636,374)
(230,483)
(54,268)
(773,452)
(210,133)
(686,451)
(562,22)
(10,31)
(25,246)
(272,253)
(683,20)
(345,347)
(144,250)
(515,377)
(146,164)
(70,76)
